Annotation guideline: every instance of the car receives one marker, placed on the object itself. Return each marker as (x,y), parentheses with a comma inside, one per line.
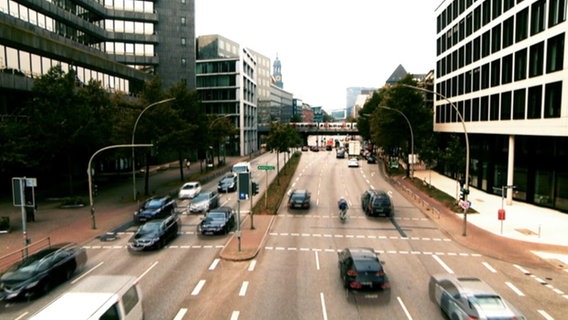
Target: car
(305,148)
(228,183)
(371,160)
(299,199)
(155,234)
(40,272)
(340,154)
(353,163)
(217,221)
(204,202)
(464,297)
(189,190)
(361,269)
(377,203)
(314,148)
(155,208)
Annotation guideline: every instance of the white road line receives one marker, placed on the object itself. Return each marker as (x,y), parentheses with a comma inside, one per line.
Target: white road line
(87,272)
(214,264)
(317,261)
(523,270)
(180,314)
(323,308)
(408,316)
(252,265)
(545,315)
(489,267)
(198,288)
(244,288)
(235,315)
(515,289)
(147,270)
(445,266)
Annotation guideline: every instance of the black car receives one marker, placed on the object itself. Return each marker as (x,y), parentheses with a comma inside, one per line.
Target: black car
(371,159)
(228,183)
(377,203)
(340,154)
(42,271)
(299,199)
(155,208)
(155,234)
(217,221)
(361,269)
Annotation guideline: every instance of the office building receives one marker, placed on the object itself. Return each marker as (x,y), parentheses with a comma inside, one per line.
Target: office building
(501,64)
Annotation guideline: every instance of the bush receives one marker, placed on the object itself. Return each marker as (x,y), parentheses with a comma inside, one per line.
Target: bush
(4,223)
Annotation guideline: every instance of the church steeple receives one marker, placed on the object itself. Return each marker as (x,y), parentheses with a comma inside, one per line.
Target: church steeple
(277,73)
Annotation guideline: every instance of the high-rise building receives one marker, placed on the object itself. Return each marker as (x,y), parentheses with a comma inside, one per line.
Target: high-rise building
(502,65)
(119,43)
(226,81)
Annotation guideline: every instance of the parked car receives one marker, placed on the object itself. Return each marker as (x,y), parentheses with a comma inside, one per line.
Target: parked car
(42,271)
(305,148)
(371,160)
(314,148)
(228,183)
(462,297)
(353,163)
(155,234)
(217,221)
(361,269)
(299,199)
(189,190)
(377,203)
(204,202)
(155,208)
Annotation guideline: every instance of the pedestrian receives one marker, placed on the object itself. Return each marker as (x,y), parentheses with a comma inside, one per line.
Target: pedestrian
(30,212)
(187,164)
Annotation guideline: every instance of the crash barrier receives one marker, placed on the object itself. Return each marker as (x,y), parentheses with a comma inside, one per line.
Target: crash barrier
(11,258)
(424,204)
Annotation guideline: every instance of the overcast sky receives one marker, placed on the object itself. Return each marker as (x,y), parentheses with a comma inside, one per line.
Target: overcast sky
(326,46)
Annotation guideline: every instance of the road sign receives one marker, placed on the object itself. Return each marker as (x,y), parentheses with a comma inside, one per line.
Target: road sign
(266,168)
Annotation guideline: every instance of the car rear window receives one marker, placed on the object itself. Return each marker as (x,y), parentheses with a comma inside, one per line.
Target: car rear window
(367,265)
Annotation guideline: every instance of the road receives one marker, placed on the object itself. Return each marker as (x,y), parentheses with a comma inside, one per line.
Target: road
(295,276)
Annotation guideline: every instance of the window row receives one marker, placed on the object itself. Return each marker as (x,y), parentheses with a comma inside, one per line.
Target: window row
(34,66)
(129,5)
(514,29)
(215,67)
(489,9)
(216,81)
(537,102)
(132,27)
(545,56)
(130,49)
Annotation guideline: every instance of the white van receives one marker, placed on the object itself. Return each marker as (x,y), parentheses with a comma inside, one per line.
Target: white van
(97,297)
(241,167)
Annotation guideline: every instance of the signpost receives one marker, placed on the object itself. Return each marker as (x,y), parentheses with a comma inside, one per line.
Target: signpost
(19,185)
(266,168)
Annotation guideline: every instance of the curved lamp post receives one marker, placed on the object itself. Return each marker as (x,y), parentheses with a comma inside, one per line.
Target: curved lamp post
(133,132)
(90,174)
(466,185)
(411,159)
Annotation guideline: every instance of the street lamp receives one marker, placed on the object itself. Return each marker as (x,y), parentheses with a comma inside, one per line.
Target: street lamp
(411,158)
(133,132)
(466,184)
(90,174)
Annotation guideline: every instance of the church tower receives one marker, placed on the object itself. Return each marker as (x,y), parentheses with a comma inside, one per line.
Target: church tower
(277,73)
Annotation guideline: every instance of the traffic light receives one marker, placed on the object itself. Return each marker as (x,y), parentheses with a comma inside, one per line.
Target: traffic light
(255,188)
(243,183)
(463,194)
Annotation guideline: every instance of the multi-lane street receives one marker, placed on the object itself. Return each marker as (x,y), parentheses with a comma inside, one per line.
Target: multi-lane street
(295,275)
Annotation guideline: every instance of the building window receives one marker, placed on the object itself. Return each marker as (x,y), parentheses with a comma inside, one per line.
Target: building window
(496,38)
(521,31)
(476,77)
(534,102)
(468,25)
(495,73)
(506,105)
(508,4)
(536,60)
(476,48)
(519,104)
(494,107)
(497,5)
(486,11)
(467,77)
(556,12)
(466,110)
(508,32)
(183,21)
(183,41)
(537,16)
(468,53)
(555,53)
(485,76)
(553,100)
(183,61)
(485,44)
(484,108)
(507,72)
(476,18)
(520,64)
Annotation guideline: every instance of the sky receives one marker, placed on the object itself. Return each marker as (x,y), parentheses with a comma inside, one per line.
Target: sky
(327,46)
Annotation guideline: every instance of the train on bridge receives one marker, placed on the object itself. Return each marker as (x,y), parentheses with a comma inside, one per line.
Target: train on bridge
(326,125)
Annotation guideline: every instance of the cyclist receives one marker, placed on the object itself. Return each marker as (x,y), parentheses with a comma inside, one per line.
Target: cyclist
(342,204)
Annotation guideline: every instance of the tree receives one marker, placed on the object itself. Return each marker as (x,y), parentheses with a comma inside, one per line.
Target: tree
(281,138)
(219,129)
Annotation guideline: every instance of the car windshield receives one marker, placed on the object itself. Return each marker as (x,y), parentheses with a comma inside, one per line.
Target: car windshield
(216,215)
(201,197)
(189,187)
(227,180)
(149,227)
(153,204)
(298,196)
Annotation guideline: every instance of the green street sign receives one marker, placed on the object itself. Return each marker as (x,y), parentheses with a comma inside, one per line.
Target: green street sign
(265,167)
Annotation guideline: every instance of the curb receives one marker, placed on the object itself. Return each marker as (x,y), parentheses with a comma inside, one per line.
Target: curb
(228,252)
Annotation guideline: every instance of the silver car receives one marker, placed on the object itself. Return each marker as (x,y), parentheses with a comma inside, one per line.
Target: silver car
(204,201)
(462,297)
